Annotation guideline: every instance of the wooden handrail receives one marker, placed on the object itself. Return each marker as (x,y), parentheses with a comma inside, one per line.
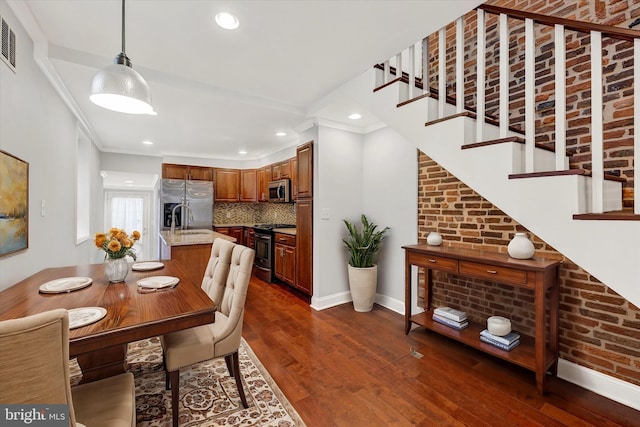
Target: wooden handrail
(585,27)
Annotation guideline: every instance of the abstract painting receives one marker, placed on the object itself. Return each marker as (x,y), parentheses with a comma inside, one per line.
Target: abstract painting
(14,204)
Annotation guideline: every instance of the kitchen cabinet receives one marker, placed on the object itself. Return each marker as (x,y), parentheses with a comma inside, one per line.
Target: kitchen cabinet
(250,237)
(235,232)
(226,183)
(248,185)
(284,264)
(304,246)
(193,257)
(304,154)
(294,179)
(264,176)
(281,170)
(195,173)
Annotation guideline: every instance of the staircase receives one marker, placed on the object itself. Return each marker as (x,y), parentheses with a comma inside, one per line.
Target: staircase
(578,211)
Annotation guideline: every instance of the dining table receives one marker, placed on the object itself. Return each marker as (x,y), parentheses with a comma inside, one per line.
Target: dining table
(132,312)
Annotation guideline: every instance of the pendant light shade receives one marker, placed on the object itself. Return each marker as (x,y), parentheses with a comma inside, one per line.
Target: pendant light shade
(119,87)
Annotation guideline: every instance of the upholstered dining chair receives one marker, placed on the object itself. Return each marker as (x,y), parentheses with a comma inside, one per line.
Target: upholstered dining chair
(34,369)
(218,339)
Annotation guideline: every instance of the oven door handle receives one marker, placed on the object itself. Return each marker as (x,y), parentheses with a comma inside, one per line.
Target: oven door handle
(262,236)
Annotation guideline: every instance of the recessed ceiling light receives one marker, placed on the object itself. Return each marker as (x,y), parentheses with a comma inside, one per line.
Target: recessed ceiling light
(227,21)
(281,134)
(128,181)
(355,116)
(147,142)
(242,152)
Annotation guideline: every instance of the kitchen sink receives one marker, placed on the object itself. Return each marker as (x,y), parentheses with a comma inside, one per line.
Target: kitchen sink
(193,232)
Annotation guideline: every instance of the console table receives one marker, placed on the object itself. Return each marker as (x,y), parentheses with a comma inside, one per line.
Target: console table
(539,353)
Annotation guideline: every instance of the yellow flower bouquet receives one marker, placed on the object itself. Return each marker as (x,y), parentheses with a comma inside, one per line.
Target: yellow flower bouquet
(117,243)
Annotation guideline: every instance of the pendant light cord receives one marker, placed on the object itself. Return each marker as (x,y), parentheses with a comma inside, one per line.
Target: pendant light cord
(123,43)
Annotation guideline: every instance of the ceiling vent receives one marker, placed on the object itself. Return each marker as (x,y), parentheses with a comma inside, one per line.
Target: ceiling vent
(8,46)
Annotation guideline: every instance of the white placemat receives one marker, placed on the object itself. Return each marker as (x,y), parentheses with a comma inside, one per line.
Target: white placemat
(65,284)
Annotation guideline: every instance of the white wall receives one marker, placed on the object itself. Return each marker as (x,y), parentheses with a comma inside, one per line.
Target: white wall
(338,188)
(36,126)
(390,199)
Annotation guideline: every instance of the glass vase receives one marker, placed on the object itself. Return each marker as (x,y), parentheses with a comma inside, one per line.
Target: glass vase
(116,269)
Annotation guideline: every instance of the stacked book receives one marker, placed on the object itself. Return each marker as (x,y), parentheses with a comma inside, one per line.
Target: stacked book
(505,342)
(451,317)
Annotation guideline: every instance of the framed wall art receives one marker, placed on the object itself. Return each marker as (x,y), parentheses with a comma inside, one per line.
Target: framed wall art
(14,204)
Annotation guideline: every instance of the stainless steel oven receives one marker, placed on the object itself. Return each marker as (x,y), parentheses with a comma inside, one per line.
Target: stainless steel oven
(264,254)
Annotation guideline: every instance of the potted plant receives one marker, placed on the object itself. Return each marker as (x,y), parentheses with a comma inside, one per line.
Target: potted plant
(363,273)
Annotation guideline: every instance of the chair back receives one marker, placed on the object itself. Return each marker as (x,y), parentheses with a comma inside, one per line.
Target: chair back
(34,360)
(215,276)
(230,312)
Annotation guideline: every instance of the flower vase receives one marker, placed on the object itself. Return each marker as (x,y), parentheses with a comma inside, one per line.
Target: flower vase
(116,269)
(520,247)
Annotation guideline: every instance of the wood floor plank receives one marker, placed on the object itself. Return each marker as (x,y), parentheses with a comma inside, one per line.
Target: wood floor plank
(339,368)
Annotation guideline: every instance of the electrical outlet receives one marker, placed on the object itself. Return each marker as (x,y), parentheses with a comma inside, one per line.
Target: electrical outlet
(43,208)
(228,214)
(324,213)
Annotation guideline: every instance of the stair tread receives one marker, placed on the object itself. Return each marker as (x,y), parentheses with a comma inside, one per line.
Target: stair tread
(623,215)
(584,172)
(517,139)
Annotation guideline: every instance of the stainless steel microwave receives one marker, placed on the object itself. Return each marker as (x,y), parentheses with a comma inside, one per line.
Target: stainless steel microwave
(280,191)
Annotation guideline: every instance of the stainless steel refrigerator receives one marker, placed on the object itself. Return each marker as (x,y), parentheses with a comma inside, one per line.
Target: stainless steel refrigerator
(198,195)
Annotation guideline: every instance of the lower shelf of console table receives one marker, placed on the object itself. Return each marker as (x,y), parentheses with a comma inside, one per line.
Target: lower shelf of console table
(523,355)
(539,353)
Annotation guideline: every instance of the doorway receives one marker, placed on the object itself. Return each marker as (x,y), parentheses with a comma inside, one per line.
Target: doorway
(130,211)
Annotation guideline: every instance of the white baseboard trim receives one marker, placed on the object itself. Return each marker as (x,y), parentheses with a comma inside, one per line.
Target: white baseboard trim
(323,303)
(621,391)
(390,303)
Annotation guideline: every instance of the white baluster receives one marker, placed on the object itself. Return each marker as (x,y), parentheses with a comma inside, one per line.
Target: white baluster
(561,98)
(597,166)
(481,64)
(412,72)
(503,113)
(460,65)
(425,65)
(529,95)
(387,72)
(442,74)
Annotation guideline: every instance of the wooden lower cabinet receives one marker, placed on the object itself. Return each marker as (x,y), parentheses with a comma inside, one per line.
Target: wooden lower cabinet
(235,232)
(193,258)
(284,264)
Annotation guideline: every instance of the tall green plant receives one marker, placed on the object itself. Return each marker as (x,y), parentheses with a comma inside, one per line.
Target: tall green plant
(363,246)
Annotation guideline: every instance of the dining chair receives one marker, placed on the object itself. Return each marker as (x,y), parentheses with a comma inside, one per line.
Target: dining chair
(221,338)
(34,351)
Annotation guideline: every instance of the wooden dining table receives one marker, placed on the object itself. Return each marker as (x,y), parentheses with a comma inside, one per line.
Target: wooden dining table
(132,313)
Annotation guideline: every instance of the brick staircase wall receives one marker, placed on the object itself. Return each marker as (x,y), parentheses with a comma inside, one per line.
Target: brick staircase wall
(598,329)
(617,78)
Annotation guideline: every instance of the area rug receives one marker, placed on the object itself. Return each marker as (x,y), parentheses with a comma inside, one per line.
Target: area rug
(208,395)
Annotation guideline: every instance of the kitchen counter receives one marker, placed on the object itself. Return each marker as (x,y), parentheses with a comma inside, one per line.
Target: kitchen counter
(291,231)
(191,237)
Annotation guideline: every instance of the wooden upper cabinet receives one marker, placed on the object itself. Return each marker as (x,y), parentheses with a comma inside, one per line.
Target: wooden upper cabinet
(304,154)
(264,176)
(196,173)
(226,183)
(281,170)
(294,178)
(248,185)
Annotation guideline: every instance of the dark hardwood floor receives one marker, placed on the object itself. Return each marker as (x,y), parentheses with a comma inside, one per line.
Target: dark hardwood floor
(338,367)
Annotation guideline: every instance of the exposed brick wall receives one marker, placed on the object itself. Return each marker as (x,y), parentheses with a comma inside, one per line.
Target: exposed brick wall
(617,77)
(598,328)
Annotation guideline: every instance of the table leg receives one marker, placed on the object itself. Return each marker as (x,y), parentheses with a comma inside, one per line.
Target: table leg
(103,363)
(407,294)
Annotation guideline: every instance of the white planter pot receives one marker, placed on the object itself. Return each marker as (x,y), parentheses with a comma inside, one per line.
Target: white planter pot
(363,283)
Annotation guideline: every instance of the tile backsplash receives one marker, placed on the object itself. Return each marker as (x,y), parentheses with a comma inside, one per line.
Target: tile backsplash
(253,213)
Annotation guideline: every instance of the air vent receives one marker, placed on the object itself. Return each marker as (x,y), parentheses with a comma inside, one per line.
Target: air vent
(8,46)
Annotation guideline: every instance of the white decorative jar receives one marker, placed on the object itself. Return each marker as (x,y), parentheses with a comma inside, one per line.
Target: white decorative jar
(116,269)
(434,239)
(498,325)
(520,247)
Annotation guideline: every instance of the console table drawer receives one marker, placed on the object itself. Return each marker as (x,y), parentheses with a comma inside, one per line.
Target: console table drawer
(505,275)
(435,262)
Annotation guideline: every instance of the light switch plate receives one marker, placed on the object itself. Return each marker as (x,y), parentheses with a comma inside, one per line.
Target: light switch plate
(324,213)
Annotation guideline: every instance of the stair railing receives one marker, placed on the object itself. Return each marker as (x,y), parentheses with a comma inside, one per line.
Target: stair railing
(417,56)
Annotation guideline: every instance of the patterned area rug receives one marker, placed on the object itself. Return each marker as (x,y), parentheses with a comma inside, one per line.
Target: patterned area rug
(208,395)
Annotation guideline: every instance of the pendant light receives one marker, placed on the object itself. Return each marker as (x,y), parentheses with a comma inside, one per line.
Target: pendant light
(119,87)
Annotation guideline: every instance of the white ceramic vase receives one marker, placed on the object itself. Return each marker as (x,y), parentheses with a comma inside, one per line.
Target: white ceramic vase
(520,247)
(116,269)
(363,283)
(434,239)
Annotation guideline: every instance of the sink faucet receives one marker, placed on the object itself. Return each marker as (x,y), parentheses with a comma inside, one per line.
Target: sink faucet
(173,215)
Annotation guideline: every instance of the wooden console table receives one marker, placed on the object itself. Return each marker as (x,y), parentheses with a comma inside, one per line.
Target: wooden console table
(539,353)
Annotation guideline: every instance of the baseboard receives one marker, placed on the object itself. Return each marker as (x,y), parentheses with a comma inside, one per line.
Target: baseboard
(621,391)
(390,303)
(323,303)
